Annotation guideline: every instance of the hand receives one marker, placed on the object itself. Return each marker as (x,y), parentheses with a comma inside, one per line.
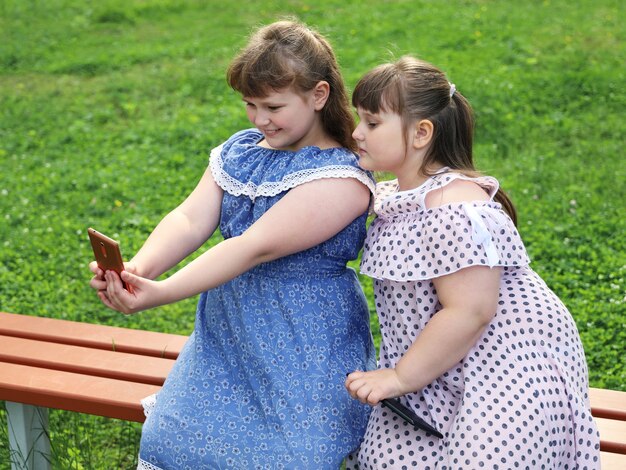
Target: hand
(374,386)
(146,293)
(97,282)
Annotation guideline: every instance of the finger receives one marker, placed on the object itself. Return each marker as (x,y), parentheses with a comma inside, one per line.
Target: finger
(114,304)
(374,398)
(98,284)
(131,281)
(352,387)
(119,297)
(105,300)
(357,388)
(347,382)
(131,278)
(114,287)
(356,374)
(351,377)
(351,393)
(363,393)
(113,279)
(357,379)
(93,267)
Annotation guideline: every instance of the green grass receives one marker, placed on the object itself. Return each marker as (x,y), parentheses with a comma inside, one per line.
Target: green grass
(108,111)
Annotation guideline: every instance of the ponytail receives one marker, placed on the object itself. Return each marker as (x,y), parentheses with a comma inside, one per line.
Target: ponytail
(507,205)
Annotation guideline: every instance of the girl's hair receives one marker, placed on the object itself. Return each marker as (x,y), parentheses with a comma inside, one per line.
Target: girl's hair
(289,54)
(416,90)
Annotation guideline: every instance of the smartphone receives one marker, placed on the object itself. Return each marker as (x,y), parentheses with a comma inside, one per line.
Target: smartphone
(409,416)
(107,253)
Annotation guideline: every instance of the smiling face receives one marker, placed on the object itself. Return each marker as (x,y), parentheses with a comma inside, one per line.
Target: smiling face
(288,120)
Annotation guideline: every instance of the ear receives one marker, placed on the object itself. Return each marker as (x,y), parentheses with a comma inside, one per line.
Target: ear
(321,92)
(423,131)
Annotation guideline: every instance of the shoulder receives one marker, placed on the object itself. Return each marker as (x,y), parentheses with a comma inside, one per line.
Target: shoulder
(456,191)
(337,163)
(330,156)
(244,137)
(247,137)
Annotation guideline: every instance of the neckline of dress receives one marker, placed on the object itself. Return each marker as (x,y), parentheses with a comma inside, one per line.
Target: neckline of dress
(440,171)
(271,149)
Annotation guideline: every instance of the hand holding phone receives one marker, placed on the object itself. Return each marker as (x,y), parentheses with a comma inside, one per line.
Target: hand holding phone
(409,416)
(107,253)
(404,412)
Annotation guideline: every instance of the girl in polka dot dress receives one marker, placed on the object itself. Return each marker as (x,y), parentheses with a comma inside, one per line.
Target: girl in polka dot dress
(473,341)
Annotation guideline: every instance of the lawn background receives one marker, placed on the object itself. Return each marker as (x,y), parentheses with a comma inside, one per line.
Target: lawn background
(108,111)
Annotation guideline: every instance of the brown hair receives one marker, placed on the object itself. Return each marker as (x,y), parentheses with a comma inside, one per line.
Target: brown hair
(415,90)
(288,53)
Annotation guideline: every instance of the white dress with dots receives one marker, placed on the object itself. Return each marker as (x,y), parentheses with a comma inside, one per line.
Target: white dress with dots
(519,399)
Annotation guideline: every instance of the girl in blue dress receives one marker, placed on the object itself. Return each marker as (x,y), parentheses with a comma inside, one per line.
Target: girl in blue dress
(280,318)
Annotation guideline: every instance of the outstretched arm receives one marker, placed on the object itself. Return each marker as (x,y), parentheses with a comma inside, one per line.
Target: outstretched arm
(182,231)
(178,234)
(308,215)
(469,298)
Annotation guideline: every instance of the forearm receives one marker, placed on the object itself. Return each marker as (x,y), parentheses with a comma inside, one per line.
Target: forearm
(220,264)
(446,339)
(173,239)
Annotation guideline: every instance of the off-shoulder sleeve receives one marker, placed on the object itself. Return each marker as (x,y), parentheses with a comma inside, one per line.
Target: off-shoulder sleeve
(241,167)
(441,241)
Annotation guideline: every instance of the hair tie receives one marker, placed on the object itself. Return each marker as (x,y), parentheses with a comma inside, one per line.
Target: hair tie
(452,89)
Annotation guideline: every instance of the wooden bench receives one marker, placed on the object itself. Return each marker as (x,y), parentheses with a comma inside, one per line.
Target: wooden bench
(96,369)
(608,408)
(106,371)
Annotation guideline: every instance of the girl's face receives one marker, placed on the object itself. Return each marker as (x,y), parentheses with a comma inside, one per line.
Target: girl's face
(288,120)
(381,141)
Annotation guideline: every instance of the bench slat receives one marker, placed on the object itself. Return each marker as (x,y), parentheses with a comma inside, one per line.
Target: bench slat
(612,435)
(608,403)
(87,361)
(149,343)
(610,461)
(74,392)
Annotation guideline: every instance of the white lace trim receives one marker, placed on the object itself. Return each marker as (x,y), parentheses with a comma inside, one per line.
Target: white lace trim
(272,188)
(143,465)
(148,404)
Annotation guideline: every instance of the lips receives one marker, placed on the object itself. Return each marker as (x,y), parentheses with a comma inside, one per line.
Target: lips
(271,132)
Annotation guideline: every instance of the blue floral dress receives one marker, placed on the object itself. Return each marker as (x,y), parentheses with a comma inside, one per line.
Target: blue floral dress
(260,382)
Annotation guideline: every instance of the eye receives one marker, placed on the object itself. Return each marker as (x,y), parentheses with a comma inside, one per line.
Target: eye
(371,124)
(274,108)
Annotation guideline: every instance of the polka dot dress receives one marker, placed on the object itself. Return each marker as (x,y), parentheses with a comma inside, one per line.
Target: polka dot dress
(519,399)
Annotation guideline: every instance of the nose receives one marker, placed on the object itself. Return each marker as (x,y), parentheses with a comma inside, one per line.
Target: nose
(261,118)
(357,134)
